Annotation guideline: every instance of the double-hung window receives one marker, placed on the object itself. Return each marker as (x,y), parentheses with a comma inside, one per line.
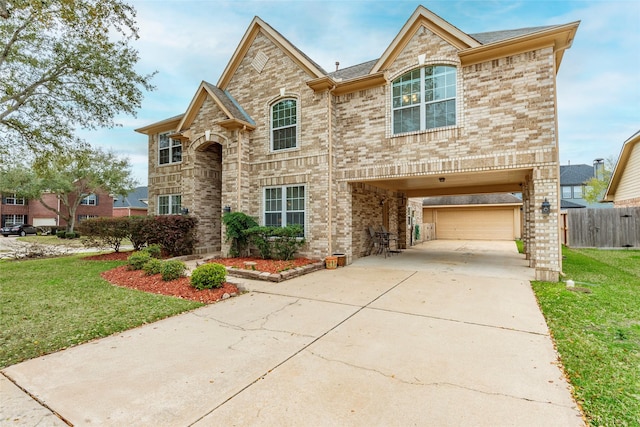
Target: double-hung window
(90,200)
(424,98)
(169,149)
(284,206)
(170,204)
(12,199)
(284,124)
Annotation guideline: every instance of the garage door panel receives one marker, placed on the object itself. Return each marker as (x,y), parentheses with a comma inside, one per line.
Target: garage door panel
(475,224)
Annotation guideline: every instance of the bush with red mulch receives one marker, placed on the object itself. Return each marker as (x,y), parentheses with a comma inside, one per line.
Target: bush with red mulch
(264,265)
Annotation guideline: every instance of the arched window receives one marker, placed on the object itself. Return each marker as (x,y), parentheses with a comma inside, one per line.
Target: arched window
(284,124)
(424,98)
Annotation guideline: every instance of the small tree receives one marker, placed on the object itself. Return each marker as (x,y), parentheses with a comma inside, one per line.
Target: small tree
(596,186)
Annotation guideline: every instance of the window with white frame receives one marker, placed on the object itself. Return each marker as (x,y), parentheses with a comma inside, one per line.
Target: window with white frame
(11,219)
(90,200)
(12,199)
(577,191)
(170,204)
(169,149)
(284,206)
(424,98)
(284,124)
(566,192)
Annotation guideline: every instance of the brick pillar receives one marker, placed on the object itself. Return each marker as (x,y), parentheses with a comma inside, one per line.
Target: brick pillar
(546,255)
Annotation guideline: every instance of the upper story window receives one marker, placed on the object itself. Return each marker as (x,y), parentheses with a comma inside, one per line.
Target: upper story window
(169,149)
(284,124)
(572,191)
(424,98)
(90,200)
(170,204)
(13,200)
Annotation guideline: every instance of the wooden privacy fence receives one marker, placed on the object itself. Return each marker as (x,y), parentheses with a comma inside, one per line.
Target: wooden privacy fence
(603,228)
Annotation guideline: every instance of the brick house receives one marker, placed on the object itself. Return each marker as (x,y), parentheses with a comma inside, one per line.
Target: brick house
(441,112)
(16,210)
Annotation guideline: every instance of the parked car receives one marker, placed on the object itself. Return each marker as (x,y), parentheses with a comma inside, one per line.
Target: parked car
(18,229)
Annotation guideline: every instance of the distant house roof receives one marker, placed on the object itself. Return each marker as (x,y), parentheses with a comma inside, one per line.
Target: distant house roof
(565,204)
(136,199)
(473,199)
(575,174)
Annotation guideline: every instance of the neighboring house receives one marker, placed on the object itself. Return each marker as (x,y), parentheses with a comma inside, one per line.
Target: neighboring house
(15,210)
(441,112)
(573,180)
(133,204)
(624,186)
(474,217)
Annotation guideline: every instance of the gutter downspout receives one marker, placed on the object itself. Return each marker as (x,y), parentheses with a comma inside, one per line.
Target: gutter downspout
(330,164)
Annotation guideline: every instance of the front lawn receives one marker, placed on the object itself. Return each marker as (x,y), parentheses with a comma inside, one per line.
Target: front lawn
(50,304)
(598,334)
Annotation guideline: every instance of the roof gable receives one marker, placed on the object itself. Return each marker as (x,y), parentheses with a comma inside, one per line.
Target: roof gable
(575,174)
(259,26)
(227,104)
(621,164)
(423,17)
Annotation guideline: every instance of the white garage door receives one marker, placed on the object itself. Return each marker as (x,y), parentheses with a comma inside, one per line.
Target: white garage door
(44,222)
(475,224)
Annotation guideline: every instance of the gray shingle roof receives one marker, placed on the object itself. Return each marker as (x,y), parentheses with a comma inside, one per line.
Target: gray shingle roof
(565,204)
(496,36)
(230,103)
(133,199)
(472,199)
(575,174)
(353,71)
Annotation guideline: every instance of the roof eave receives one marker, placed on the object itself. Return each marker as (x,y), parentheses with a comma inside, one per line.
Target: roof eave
(161,126)
(339,87)
(559,37)
(623,159)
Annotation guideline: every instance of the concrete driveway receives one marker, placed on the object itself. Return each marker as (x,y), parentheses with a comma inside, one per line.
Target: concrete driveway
(446,334)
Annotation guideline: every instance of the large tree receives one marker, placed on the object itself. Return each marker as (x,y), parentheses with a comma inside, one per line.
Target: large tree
(73,175)
(64,65)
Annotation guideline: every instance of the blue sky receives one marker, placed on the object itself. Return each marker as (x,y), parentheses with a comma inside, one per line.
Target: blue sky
(190,41)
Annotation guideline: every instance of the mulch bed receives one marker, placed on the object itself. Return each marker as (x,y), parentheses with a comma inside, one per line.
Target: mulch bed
(181,288)
(137,279)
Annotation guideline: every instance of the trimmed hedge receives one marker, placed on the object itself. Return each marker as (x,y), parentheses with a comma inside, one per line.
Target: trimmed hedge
(175,234)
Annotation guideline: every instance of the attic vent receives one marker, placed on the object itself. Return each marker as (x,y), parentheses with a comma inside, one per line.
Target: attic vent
(260,61)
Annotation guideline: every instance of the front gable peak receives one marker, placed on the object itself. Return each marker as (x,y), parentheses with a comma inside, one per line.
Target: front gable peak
(422,17)
(258,26)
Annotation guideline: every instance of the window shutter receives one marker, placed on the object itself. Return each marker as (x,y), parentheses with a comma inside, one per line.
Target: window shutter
(4,200)
(96,200)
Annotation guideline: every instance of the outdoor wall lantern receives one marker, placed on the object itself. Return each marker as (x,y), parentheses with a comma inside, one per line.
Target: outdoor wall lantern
(226,209)
(184,211)
(546,207)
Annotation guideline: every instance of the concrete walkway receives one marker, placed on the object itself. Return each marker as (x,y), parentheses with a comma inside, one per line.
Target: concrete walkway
(446,334)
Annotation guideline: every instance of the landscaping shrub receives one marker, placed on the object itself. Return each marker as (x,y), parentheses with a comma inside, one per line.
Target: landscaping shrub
(209,276)
(105,231)
(137,260)
(260,238)
(276,242)
(61,234)
(71,235)
(138,231)
(236,224)
(153,266)
(175,233)
(154,250)
(172,270)
(287,241)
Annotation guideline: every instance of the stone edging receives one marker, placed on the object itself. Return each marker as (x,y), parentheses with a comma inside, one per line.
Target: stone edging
(275,277)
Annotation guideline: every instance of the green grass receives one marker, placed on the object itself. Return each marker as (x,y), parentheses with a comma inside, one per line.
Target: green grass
(50,304)
(598,334)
